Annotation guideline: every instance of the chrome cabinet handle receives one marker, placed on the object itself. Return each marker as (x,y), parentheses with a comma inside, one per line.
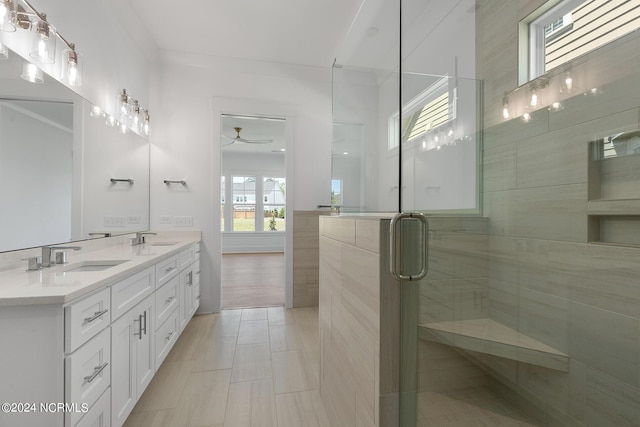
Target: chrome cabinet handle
(169,336)
(143,329)
(97,371)
(190,282)
(139,320)
(169,270)
(168,300)
(397,257)
(96,315)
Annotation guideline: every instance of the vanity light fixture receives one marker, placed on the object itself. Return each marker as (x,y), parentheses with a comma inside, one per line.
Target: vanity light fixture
(8,18)
(43,38)
(131,116)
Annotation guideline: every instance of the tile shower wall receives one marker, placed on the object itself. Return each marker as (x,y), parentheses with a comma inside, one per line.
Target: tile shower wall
(305,258)
(544,278)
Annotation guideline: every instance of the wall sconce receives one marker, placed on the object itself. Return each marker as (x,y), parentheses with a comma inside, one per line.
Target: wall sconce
(131,116)
(43,39)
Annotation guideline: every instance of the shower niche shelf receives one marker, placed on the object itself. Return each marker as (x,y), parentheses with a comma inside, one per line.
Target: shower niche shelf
(494,338)
(613,207)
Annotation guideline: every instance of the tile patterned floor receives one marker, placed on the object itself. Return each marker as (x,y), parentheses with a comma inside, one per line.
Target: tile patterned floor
(250,367)
(252,280)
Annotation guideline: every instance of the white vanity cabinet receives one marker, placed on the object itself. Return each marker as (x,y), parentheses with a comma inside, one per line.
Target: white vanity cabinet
(86,362)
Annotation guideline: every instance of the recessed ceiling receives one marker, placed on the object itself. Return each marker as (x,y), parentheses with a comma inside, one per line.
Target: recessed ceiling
(305,32)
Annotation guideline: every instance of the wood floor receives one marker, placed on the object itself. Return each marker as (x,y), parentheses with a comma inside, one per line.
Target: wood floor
(251,367)
(252,280)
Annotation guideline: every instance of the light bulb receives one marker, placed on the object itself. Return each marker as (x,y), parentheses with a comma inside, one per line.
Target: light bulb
(7,15)
(534,100)
(31,73)
(526,117)
(96,111)
(568,83)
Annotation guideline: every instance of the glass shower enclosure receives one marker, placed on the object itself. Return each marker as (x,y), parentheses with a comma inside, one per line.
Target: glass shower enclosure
(529,313)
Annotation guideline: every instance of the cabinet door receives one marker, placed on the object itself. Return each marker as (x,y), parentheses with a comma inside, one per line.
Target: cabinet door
(132,358)
(186,296)
(123,353)
(145,345)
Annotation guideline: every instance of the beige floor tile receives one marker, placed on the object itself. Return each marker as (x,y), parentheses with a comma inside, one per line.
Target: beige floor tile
(251,404)
(188,344)
(161,418)
(302,408)
(224,326)
(230,312)
(294,371)
(165,388)
(254,314)
(204,398)
(215,353)
(253,332)
(280,316)
(285,337)
(251,362)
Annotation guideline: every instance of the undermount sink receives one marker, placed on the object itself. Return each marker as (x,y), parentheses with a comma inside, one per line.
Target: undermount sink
(161,243)
(97,265)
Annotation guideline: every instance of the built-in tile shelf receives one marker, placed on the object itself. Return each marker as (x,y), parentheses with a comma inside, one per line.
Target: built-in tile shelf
(491,337)
(614,207)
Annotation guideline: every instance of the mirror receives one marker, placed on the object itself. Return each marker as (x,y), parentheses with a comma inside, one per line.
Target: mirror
(57,164)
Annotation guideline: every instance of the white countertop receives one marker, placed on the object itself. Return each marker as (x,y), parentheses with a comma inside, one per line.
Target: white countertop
(55,285)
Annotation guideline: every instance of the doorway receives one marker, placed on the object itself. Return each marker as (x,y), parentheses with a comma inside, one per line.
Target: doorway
(253,220)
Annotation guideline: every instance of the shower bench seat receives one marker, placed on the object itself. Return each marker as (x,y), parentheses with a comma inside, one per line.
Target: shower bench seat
(491,337)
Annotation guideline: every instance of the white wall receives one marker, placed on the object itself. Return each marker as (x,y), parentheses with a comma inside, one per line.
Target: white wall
(108,154)
(183,88)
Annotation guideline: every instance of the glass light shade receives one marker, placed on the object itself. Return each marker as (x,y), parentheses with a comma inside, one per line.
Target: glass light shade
(96,111)
(4,52)
(8,15)
(111,121)
(43,42)
(124,109)
(72,67)
(32,73)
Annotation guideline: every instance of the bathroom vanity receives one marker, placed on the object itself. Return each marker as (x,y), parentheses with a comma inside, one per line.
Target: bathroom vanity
(81,341)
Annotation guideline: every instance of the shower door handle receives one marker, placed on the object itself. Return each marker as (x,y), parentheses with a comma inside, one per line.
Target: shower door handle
(399,257)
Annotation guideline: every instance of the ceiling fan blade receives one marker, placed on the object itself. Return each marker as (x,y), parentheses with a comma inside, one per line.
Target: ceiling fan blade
(254,141)
(233,140)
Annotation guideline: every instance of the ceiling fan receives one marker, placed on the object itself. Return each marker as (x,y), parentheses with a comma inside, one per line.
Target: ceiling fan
(238,138)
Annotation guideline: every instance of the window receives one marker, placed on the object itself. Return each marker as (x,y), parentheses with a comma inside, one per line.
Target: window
(425,113)
(569,29)
(244,206)
(251,195)
(336,192)
(274,190)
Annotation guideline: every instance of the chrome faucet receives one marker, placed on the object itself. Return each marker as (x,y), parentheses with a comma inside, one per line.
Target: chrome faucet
(139,239)
(61,257)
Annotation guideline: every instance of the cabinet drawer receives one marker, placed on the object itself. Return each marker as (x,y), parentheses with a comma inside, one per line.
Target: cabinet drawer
(166,336)
(88,373)
(167,298)
(187,257)
(127,293)
(86,318)
(99,415)
(166,269)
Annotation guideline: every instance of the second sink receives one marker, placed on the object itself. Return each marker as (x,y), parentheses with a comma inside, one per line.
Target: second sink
(97,265)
